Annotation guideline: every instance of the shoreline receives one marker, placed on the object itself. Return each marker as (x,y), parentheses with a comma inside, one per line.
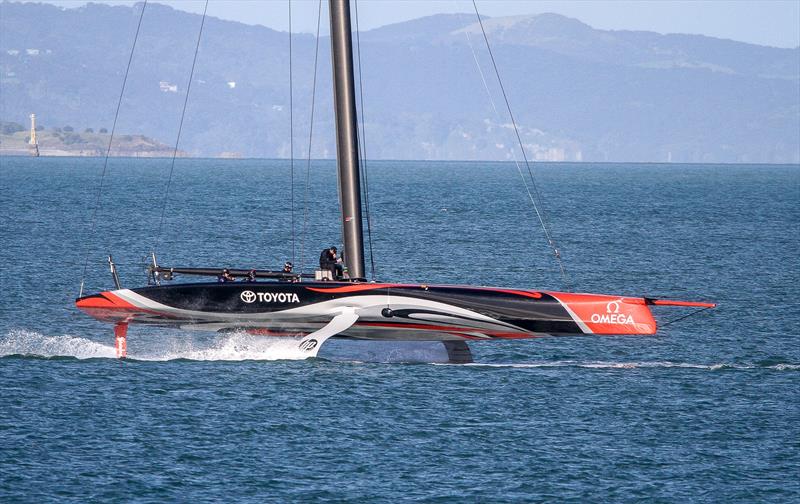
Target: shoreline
(160,155)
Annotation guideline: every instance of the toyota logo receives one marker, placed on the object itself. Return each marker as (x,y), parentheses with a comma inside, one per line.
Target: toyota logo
(248,296)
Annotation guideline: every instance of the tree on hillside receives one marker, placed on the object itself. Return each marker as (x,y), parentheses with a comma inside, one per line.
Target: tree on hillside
(9,128)
(103,130)
(73,138)
(69,129)
(88,130)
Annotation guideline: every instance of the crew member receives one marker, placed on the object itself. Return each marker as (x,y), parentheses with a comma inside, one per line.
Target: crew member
(226,276)
(328,260)
(251,276)
(287,270)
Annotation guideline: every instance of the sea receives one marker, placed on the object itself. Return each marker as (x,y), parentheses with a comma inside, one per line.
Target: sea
(708,410)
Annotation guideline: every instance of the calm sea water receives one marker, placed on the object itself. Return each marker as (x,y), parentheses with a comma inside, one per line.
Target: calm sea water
(708,410)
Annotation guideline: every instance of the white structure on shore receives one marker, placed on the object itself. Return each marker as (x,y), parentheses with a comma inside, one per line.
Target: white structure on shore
(33,130)
(32,142)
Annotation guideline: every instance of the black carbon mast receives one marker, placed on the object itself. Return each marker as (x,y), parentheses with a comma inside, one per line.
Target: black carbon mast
(344,95)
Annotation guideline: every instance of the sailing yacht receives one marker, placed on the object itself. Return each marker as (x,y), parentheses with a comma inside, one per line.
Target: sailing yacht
(312,309)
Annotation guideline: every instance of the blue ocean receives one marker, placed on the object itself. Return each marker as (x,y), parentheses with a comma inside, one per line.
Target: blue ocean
(708,410)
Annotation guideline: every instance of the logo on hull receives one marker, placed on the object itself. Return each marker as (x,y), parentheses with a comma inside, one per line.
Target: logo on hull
(269,297)
(612,315)
(308,345)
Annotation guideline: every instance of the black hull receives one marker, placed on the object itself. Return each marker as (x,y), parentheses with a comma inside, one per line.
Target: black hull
(385,311)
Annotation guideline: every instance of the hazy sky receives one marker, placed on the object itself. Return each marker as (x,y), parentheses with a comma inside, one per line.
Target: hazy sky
(765,22)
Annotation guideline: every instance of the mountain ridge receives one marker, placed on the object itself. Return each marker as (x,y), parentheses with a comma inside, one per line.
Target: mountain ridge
(578,93)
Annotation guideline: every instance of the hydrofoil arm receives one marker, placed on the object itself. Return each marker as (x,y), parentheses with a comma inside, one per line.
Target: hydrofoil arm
(311,343)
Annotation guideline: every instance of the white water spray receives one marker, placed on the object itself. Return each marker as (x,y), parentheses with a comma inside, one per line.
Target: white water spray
(228,347)
(639,365)
(241,347)
(22,342)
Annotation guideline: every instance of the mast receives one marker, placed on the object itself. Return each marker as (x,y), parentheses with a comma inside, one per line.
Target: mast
(344,94)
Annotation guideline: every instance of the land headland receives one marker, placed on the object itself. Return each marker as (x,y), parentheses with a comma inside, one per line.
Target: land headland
(68,141)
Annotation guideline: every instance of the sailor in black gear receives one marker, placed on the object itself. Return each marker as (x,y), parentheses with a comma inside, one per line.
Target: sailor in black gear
(326,258)
(251,276)
(226,276)
(288,267)
(329,261)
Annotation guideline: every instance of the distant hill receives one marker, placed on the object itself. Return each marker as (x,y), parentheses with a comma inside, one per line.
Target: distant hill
(66,141)
(578,93)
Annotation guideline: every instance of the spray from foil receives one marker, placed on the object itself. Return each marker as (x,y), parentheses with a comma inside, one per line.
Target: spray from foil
(177,345)
(30,343)
(228,347)
(242,346)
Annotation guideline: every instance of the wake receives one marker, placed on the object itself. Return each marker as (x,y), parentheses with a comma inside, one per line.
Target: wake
(228,347)
(27,343)
(639,365)
(238,346)
(246,347)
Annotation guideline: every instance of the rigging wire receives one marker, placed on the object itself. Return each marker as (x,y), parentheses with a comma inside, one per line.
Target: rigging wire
(108,150)
(695,312)
(291,131)
(497,115)
(363,138)
(180,129)
(541,214)
(310,138)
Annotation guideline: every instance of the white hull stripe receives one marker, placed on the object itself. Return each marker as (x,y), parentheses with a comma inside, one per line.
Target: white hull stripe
(366,306)
(574,316)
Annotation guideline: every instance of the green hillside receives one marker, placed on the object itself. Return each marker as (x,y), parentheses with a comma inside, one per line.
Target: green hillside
(67,141)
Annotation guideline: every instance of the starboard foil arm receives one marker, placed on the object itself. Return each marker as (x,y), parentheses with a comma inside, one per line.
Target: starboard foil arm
(311,343)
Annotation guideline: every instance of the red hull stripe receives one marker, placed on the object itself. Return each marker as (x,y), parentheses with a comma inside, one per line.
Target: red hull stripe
(109,306)
(535,295)
(267,332)
(355,288)
(105,300)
